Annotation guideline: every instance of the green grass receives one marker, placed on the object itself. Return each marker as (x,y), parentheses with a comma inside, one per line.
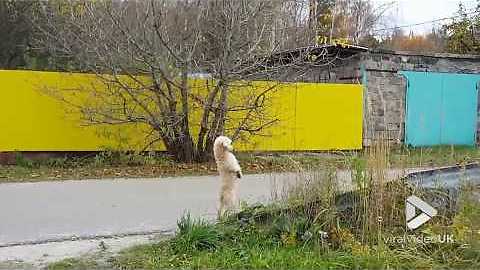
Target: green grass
(73,264)
(433,156)
(261,257)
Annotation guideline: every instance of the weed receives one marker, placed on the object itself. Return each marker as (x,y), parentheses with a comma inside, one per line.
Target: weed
(62,162)
(466,224)
(22,162)
(195,235)
(73,263)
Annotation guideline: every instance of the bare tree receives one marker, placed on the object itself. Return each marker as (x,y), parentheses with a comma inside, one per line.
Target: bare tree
(359,18)
(145,55)
(350,19)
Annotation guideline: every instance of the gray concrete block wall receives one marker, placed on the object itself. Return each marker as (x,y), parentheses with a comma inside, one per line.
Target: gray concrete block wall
(384,107)
(415,62)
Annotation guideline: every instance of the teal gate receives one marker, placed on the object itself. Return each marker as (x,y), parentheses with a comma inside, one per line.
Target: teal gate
(441,108)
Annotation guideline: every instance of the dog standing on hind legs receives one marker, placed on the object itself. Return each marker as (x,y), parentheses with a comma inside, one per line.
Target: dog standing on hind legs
(230,172)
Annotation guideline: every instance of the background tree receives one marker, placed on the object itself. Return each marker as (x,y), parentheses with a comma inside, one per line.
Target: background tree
(353,20)
(463,32)
(321,17)
(308,22)
(15,31)
(399,41)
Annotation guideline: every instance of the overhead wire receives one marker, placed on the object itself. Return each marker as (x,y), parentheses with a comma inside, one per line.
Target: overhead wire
(423,23)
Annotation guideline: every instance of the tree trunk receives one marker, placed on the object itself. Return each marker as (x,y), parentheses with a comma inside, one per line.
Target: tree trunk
(217,126)
(182,149)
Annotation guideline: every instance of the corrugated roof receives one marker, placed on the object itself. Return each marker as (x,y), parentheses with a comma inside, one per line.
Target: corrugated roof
(314,53)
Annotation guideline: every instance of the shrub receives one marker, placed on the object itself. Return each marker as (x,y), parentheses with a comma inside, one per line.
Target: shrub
(194,235)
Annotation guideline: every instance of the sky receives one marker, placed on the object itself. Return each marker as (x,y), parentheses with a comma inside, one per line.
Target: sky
(406,12)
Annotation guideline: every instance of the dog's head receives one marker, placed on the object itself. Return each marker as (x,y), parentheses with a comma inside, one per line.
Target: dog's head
(222,143)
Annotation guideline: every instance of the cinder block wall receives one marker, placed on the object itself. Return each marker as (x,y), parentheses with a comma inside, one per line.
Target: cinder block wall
(384,106)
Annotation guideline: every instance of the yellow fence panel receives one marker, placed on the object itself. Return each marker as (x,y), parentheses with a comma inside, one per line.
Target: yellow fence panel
(277,116)
(310,117)
(31,120)
(329,116)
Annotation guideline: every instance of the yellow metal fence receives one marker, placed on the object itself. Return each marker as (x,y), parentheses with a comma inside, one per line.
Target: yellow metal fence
(311,117)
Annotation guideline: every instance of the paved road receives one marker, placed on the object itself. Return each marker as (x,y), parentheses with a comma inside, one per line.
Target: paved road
(53,210)
(36,212)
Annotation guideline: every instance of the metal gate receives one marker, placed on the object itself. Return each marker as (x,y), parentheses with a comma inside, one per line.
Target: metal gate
(441,108)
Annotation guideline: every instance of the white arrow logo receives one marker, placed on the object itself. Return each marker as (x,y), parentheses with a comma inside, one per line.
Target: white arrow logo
(414,221)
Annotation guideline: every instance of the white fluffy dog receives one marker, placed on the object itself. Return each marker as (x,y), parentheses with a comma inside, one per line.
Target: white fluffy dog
(230,172)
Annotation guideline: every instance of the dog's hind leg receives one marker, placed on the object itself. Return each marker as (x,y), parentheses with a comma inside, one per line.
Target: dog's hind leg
(221,210)
(227,201)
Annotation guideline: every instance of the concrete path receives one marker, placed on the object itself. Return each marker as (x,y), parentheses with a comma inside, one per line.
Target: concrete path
(46,212)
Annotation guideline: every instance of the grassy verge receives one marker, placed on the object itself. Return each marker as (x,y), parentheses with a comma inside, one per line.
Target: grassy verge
(432,156)
(307,237)
(128,165)
(286,243)
(312,226)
